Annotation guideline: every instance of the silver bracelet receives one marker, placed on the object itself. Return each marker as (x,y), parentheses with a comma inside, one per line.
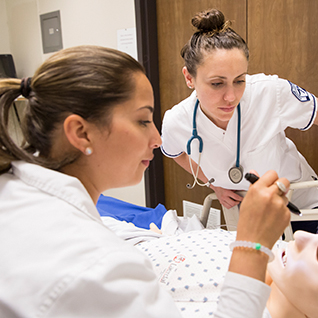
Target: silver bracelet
(255,246)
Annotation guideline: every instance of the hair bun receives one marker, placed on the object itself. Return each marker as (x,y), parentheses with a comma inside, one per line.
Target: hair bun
(209,20)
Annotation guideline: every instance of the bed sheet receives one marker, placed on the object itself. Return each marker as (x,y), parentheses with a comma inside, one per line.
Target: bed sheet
(171,224)
(191,267)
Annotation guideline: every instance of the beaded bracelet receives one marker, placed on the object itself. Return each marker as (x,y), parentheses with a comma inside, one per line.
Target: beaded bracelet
(256,246)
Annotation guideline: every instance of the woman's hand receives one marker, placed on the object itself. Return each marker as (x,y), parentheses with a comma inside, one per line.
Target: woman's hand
(228,198)
(263,218)
(263,213)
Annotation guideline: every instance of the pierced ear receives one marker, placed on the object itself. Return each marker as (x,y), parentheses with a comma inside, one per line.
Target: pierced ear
(76,131)
(188,77)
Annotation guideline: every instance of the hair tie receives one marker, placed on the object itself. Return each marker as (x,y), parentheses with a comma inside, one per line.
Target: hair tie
(226,26)
(25,87)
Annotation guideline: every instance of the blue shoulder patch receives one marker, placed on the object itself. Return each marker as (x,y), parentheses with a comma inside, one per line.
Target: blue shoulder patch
(301,94)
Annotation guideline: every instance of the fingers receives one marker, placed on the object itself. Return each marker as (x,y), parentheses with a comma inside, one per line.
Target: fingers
(281,187)
(229,204)
(270,177)
(254,172)
(230,199)
(236,197)
(264,214)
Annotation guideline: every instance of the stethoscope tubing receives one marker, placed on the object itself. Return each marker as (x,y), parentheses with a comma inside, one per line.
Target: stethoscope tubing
(194,131)
(196,136)
(238,143)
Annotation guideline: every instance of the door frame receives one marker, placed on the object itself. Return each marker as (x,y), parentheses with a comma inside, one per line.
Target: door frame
(147,48)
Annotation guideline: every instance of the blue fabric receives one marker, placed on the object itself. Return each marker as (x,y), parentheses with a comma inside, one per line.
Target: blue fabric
(124,211)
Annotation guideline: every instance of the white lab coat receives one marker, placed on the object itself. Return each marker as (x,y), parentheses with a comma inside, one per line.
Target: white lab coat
(269,105)
(59,260)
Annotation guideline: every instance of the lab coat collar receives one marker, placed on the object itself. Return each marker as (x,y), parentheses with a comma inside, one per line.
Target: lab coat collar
(58,184)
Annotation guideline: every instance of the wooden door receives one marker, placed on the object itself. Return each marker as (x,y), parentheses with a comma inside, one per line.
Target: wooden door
(174,30)
(282,38)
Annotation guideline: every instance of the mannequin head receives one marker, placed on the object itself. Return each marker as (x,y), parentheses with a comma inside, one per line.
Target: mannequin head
(295,275)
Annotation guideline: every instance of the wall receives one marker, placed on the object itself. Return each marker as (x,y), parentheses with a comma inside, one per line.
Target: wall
(82,22)
(4,31)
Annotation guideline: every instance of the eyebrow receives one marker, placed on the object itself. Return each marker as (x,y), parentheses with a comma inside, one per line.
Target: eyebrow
(223,77)
(151,109)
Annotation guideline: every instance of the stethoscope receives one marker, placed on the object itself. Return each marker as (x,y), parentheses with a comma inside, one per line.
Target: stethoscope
(235,173)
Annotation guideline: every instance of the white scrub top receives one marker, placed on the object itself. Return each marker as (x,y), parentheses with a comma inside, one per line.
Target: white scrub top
(269,105)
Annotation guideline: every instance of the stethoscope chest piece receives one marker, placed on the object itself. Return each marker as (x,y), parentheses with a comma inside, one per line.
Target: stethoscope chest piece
(236,174)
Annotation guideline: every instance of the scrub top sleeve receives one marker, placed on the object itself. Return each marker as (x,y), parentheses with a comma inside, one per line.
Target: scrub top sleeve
(172,146)
(124,287)
(297,107)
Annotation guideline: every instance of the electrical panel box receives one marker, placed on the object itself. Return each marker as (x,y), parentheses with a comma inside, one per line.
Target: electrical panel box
(51,32)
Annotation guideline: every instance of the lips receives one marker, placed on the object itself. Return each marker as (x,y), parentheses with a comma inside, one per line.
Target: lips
(284,257)
(228,109)
(146,162)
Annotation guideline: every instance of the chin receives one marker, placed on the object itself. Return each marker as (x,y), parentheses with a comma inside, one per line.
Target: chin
(135,181)
(277,266)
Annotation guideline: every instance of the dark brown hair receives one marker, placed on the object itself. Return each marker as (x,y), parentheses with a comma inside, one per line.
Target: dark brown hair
(213,32)
(84,80)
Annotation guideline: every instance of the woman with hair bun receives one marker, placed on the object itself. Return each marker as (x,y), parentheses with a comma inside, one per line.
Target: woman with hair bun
(234,122)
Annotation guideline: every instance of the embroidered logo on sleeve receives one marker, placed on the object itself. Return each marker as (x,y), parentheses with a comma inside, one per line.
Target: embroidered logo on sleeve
(301,94)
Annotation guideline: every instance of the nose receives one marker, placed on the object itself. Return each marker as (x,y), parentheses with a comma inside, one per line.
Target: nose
(155,141)
(302,238)
(229,94)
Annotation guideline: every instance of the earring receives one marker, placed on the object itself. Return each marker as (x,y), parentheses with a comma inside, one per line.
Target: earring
(88,151)
(190,86)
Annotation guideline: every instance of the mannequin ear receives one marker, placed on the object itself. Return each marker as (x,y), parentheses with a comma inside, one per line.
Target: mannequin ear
(188,77)
(76,132)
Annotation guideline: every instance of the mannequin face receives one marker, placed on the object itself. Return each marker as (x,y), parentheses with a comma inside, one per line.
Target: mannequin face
(220,83)
(295,272)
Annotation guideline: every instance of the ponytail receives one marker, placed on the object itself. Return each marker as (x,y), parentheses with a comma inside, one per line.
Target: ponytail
(86,80)
(10,89)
